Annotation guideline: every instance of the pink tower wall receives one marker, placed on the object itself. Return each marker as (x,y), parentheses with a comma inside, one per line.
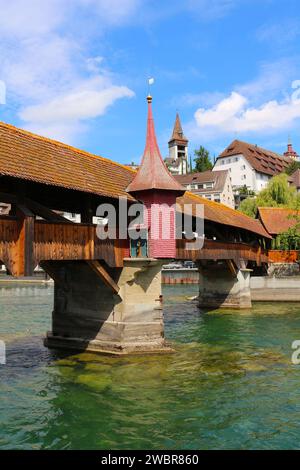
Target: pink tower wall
(157,246)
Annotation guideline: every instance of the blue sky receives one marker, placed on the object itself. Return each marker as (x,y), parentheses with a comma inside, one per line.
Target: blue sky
(76,70)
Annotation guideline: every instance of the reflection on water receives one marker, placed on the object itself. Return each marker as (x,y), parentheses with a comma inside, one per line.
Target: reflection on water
(230,384)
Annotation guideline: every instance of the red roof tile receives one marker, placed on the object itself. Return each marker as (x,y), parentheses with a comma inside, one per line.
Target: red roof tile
(295,178)
(277,219)
(217,177)
(263,161)
(216,212)
(31,157)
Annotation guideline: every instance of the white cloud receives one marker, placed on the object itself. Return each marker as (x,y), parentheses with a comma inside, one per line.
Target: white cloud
(50,75)
(234,114)
(63,115)
(35,69)
(76,105)
(25,18)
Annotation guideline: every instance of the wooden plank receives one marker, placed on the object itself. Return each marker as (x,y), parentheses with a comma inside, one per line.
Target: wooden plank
(104,276)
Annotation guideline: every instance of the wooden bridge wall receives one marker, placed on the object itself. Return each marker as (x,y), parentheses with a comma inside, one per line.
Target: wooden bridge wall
(24,243)
(216,250)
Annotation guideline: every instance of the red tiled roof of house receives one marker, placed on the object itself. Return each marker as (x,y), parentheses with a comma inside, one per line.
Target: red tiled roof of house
(262,160)
(178,132)
(216,212)
(216,177)
(153,173)
(31,157)
(277,219)
(295,178)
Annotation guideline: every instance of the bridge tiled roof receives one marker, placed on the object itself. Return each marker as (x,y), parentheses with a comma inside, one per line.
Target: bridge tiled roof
(31,157)
(218,213)
(28,156)
(278,219)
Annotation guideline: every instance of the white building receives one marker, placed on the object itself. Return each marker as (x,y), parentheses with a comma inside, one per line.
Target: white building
(250,165)
(214,186)
(177,162)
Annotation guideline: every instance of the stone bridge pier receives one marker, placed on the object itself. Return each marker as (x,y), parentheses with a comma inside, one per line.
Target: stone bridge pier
(224,284)
(114,311)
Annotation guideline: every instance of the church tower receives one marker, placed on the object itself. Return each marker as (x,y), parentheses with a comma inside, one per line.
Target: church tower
(157,189)
(290,151)
(178,150)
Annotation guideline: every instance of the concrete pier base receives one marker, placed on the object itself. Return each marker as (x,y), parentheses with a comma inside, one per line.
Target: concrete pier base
(222,288)
(89,316)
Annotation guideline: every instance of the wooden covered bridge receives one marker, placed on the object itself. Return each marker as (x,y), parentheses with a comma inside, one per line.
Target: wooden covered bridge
(107,292)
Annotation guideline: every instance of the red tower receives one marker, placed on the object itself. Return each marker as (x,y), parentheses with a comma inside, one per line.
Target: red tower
(156,188)
(290,151)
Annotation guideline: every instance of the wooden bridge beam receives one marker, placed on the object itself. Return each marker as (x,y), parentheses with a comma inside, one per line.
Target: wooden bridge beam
(104,276)
(24,263)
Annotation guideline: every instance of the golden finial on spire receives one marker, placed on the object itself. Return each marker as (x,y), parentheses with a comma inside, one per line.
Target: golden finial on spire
(149,99)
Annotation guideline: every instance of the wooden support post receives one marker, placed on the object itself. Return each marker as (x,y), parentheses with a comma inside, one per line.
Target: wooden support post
(104,276)
(87,213)
(90,243)
(231,267)
(25,258)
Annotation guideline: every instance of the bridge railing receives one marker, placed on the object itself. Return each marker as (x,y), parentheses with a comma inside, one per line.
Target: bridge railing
(24,243)
(218,250)
(59,241)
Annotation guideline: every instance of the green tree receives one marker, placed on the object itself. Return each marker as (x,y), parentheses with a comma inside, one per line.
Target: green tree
(202,160)
(294,166)
(278,193)
(289,240)
(249,207)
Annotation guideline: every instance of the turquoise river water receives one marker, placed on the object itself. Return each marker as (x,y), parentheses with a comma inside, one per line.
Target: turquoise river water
(230,385)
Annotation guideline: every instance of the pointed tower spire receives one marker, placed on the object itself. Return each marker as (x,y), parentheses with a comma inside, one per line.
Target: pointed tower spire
(178,132)
(153,173)
(291,153)
(178,150)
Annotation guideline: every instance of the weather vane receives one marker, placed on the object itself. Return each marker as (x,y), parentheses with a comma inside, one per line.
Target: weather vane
(150,82)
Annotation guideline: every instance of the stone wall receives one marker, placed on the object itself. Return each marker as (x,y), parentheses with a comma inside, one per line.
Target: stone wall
(220,288)
(180,276)
(269,289)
